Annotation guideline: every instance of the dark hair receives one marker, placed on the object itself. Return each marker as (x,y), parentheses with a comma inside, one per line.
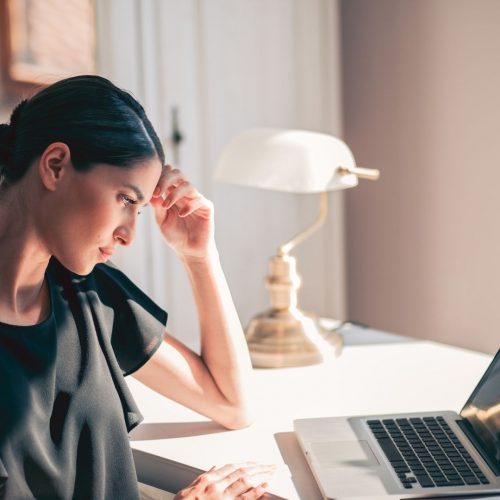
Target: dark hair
(99,122)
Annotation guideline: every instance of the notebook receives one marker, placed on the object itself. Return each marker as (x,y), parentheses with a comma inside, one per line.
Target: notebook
(417,455)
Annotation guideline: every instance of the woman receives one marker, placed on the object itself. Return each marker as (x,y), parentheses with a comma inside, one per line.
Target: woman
(78,161)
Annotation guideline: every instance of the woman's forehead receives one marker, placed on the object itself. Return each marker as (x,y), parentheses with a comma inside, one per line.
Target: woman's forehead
(143,174)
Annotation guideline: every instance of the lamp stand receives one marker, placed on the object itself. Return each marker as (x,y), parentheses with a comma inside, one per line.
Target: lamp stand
(284,335)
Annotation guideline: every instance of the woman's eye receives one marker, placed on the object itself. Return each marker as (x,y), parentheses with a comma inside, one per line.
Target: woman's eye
(127,201)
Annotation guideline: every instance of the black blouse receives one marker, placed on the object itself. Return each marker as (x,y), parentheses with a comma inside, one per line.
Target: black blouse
(65,408)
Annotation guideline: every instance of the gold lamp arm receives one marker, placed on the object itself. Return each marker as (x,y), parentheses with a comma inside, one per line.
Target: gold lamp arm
(300,237)
(371,174)
(362,173)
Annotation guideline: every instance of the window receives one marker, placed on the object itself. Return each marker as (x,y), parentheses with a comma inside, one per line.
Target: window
(42,41)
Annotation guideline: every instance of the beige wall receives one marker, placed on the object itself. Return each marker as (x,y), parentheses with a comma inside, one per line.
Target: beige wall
(422,103)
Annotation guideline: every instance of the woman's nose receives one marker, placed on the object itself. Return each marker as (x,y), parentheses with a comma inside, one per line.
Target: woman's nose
(125,233)
(122,238)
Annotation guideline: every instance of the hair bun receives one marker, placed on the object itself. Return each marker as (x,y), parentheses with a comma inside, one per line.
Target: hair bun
(8,133)
(5,143)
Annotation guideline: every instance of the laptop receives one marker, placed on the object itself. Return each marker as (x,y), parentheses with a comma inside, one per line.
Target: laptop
(418,455)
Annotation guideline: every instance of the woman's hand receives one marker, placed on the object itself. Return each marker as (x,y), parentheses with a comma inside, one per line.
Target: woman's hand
(242,482)
(184,215)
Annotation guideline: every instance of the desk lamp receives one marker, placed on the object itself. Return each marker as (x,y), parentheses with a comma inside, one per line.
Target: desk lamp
(293,161)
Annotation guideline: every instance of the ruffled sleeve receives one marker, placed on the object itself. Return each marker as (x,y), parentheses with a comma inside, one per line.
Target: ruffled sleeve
(129,325)
(138,323)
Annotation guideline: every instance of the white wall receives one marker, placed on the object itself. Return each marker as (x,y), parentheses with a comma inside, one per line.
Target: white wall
(422,103)
(229,66)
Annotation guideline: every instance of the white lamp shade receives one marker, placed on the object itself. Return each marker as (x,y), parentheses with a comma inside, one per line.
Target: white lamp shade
(296,161)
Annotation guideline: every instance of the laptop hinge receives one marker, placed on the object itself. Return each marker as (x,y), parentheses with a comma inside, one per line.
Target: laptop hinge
(466,429)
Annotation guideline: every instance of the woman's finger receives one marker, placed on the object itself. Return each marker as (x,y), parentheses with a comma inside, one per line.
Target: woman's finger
(255,493)
(222,472)
(170,177)
(236,481)
(244,478)
(194,205)
(183,190)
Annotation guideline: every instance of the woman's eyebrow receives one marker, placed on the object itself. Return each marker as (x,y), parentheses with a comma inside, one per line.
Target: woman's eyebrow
(136,190)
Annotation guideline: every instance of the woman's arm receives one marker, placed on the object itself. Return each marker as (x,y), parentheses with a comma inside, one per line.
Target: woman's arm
(214,383)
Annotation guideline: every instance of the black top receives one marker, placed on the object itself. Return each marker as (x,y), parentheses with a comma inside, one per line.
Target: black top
(65,408)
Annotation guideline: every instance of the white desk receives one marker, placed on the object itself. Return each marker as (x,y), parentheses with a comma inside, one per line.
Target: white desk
(375,373)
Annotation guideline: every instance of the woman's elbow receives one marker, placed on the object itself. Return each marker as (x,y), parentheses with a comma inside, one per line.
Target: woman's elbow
(237,418)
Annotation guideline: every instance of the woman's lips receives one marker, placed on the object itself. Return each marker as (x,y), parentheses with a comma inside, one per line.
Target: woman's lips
(106,252)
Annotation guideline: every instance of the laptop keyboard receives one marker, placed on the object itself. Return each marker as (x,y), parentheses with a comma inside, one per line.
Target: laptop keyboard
(426,452)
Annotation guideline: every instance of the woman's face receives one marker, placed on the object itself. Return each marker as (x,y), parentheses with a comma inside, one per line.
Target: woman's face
(83,223)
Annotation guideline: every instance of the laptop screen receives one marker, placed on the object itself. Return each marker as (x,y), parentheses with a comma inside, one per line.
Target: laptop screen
(482,411)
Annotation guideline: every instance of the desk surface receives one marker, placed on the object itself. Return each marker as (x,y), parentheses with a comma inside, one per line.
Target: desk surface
(375,373)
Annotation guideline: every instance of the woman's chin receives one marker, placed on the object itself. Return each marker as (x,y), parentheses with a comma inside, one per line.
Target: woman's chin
(79,267)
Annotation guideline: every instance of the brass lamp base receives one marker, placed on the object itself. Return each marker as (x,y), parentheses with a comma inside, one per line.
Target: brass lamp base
(284,335)
(289,337)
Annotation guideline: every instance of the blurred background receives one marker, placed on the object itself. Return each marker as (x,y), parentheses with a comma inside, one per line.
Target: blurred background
(413,87)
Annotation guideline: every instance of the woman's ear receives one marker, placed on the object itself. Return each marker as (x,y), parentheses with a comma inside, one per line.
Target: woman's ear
(54,164)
